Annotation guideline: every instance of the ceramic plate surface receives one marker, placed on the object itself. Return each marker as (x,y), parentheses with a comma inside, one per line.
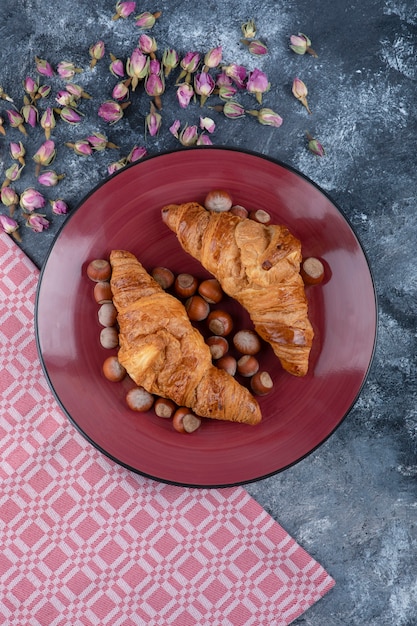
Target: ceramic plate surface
(124,212)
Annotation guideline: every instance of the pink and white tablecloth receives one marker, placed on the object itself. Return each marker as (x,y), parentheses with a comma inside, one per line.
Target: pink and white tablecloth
(85,542)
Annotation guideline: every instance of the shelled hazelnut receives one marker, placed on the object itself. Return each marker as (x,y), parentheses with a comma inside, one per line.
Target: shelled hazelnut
(197,308)
(102,292)
(163,276)
(218,200)
(211,290)
(220,322)
(138,399)
(185,421)
(185,285)
(109,337)
(312,271)
(113,370)
(107,314)
(98,270)
(247,342)
(261,216)
(261,383)
(218,346)
(247,365)
(227,363)
(239,210)
(164,407)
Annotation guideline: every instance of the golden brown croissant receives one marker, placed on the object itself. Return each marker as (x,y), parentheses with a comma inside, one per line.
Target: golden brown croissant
(165,354)
(258,265)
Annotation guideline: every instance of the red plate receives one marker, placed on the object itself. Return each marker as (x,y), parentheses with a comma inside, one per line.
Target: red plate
(125,212)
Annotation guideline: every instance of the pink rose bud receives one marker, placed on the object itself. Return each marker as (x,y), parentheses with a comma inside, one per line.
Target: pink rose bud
(136,153)
(64,98)
(233,110)
(189,65)
(124,9)
(147,44)
(184,94)
(213,57)
(300,44)
(50,178)
(258,84)
(174,128)
(44,91)
(206,123)
(257,47)
(59,207)
(17,152)
(116,67)
(16,120)
(226,93)
(30,199)
(9,198)
(223,80)
(188,136)
(77,91)
(137,67)
(315,146)
(204,140)
(300,91)
(120,91)
(48,121)
(43,67)
(10,226)
(147,20)
(99,142)
(110,111)
(237,73)
(30,86)
(66,70)
(170,60)
(154,85)
(96,52)
(30,114)
(70,116)
(37,222)
(12,174)
(45,154)
(249,29)
(81,147)
(116,166)
(153,121)
(203,86)
(267,117)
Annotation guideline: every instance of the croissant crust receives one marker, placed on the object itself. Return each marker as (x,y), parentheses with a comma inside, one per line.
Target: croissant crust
(259,266)
(165,354)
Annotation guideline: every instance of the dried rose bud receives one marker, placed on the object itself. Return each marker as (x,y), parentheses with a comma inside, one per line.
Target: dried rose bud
(315,146)
(120,91)
(223,80)
(147,20)
(4,95)
(153,121)
(96,52)
(44,155)
(203,86)
(50,178)
(66,70)
(136,153)
(258,84)
(237,73)
(43,67)
(300,91)
(12,174)
(184,94)
(77,91)
(226,92)
(69,115)
(249,29)
(170,60)
(110,111)
(30,86)
(48,122)
(174,128)
(147,44)
(300,44)
(37,222)
(233,110)
(10,227)
(30,199)
(64,98)
(189,65)
(16,120)
(98,142)
(204,140)
(80,147)
(43,91)
(9,198)
(116,166)
(30,114)
(59,207)
(137,67)
(124,9)
(116,66)
(17,152)
(155,87)
(206,123)
(255,46)
(213,57)
(188,136)
(267,117)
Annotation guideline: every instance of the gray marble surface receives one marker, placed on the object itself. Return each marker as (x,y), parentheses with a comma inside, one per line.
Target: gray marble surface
(352,504)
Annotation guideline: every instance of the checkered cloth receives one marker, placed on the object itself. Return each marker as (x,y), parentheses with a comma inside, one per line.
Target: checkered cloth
(85,542)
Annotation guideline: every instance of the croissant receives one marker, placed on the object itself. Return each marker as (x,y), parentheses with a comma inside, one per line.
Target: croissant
(162,351)
(259,266)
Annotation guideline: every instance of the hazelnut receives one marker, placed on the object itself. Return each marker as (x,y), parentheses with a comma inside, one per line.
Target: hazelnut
(227,363)
(211,290)
(113,370)
(107,314)
(163,276)
(99,269)
(185,285)
(185,421)
(197,308)
(247,365)
(312,271)
(220,322)
(261,383)
(218,346)
(239,210)
(102,292)
(261,216)
(218,200)
(109,337)
(164,407)
(138,399)
(247,342)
